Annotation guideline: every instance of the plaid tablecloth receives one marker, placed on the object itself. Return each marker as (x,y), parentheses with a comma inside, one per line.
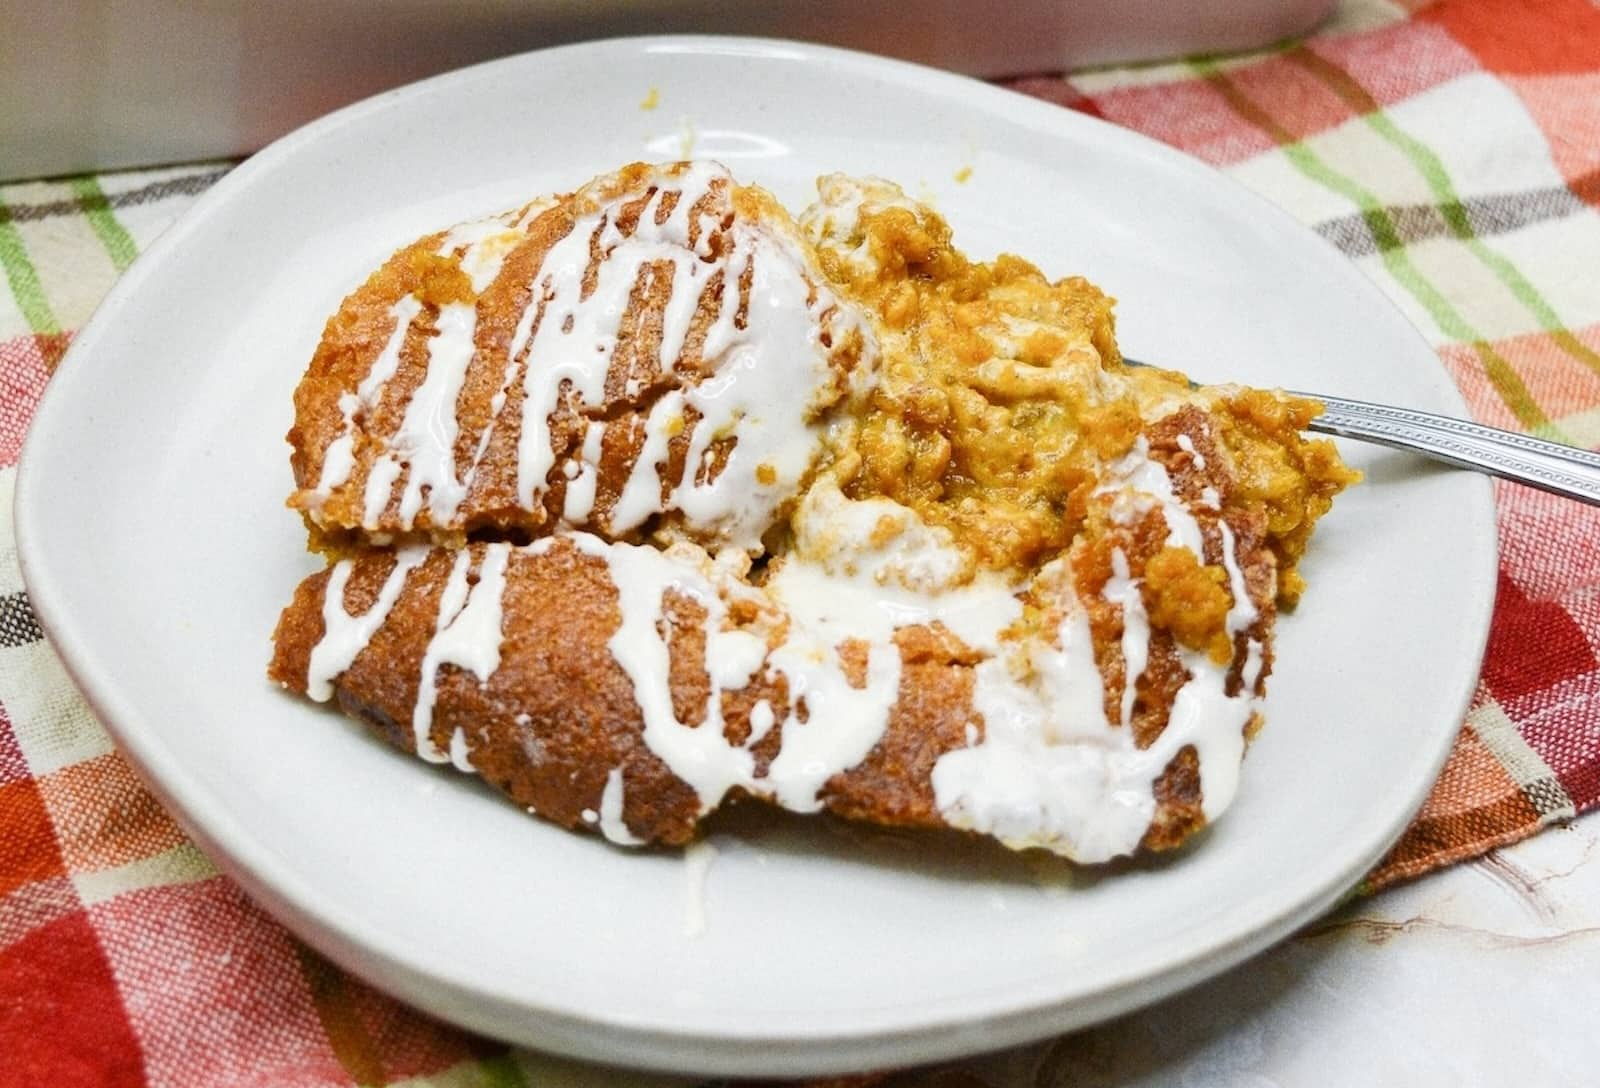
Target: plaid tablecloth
(1452,152)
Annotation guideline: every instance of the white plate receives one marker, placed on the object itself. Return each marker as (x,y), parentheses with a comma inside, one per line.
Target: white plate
(158,552)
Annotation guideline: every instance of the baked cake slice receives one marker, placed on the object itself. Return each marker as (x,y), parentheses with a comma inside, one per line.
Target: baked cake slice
(819,513)
(655,346)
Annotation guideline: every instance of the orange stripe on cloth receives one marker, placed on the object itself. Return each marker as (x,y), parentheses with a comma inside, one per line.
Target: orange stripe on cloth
(1475,806)
(1567,110)
(52,347)
(1524,37)
(1397,61)
(30,850)
(1301,105)
(105,816)
(1557,382)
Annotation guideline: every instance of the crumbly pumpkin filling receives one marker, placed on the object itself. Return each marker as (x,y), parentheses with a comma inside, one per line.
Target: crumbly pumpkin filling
(1002,395)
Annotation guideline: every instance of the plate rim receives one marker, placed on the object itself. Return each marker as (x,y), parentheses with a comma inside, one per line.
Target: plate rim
(297,904)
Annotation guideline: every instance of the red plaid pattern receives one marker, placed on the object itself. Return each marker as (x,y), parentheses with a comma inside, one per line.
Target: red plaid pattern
(1453,153)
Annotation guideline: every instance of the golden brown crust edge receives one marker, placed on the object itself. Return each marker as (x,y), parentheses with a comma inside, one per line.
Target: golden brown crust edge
(486,450)
(559,714)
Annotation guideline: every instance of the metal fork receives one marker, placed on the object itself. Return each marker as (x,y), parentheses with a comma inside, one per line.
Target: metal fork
(1549,466)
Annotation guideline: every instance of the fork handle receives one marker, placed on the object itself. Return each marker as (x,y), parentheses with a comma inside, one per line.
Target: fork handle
(1549,466)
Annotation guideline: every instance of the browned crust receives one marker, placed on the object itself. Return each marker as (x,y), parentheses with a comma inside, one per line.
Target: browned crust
(551,722)
(559,714)
(355,336)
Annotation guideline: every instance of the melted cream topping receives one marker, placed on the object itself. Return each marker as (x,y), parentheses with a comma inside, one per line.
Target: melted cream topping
(343,635)
(611,825)
(426,439)
(697,859)
(1047,769)
(876,539)
(484,244)
(339,458)
(1051,771)
(467,634)
(842,203)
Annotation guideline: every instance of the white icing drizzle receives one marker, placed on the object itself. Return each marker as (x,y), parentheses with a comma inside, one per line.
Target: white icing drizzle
(732,658)
(641,495)
(576,336)
(467,634)
(761,721)
(698,753)
(1243,612)
(460,752)
(584,474)
(483,245)
(761,394)
(1186,444)
(1051,770)
(849,579)
(570,338)
(532,212)
(840,606)
(611,824)
(425,441)
(840,723)
(843,723)
(1123,591)
(1144,479)
(697,859)
(339,458)
(1254,659)
(1047,772)
(1047,767)
(769,371)
(379,488)
(343,635)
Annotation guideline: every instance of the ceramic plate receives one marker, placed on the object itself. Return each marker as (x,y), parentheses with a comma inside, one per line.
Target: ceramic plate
(158,552)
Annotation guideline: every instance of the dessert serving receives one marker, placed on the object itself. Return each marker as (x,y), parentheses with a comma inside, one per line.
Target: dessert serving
(649,497)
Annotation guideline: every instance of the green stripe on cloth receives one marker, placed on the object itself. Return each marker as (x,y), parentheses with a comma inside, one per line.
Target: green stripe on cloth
(148,193)
(118,242)
(1437,175)
(502,1071)
(24,280)
(347,1036)
(1502,375)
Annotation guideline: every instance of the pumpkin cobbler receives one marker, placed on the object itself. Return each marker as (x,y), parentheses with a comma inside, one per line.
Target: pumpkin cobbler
(647,497)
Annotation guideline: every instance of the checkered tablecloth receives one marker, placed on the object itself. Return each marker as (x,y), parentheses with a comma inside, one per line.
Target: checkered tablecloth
(1452,152)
